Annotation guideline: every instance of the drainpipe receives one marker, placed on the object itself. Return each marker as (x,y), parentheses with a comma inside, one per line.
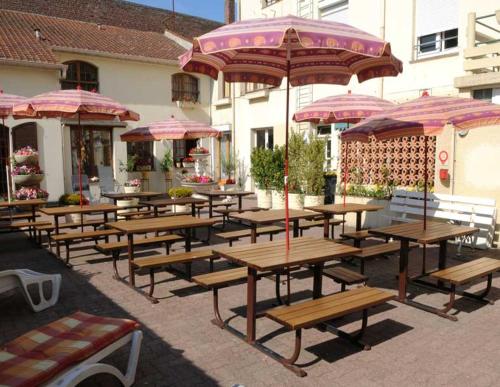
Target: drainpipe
(382,35)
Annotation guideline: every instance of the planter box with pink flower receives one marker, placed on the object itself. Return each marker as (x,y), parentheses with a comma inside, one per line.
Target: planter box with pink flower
(132,186)
(26,155)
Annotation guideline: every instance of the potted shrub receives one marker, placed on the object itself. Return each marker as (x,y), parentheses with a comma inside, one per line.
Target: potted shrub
(132,186)
(166,164)
(314,183)
(199,150)
(277,169)
(26,155)
(73,200)
(27,174)
(177,193)
(296,151)
(228,168)
(26,193)
(261,159)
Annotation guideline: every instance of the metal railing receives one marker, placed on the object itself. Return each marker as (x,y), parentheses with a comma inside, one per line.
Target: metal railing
(439,46)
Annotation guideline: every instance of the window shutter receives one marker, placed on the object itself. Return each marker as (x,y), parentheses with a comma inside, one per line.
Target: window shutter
(435,16)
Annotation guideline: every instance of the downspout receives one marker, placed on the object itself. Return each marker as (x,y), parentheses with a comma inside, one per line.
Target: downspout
(382,36)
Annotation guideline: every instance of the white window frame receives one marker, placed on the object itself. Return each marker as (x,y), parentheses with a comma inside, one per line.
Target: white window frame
(266,131)
(439,46)
(329,7)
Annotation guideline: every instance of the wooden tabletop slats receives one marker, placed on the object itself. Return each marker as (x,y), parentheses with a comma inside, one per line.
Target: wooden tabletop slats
(59,211)
(123,195)
(309,313)
(340,208)
(273,255)
(171,201)
(435,231)
(22,203)
(217,193)
(272,216)
(468,271)
(381,248)
(160,224)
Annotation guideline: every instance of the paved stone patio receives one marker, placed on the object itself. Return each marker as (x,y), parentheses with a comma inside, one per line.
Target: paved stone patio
(182,348)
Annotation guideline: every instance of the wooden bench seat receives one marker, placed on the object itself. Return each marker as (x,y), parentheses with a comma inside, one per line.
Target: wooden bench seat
(305,224)
(187,258)
(135,214)
(215,204)
(377,251)
(20,225)
(344,276)
(357,236)
(49,228)
(466,273)
(226,211)
(232,236)
(114,248)
(308,314)
(20,215)
(81,236)
(221,279)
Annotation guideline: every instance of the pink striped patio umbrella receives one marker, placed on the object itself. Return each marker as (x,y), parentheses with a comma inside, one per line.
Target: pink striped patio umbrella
(304,51)
(350,108)
(74,103)
(425,116)
(7,102)
(170,129)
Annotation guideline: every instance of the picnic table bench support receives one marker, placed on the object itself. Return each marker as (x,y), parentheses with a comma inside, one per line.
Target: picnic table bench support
(130,249)
(318,280)
(403,268)
(251,303)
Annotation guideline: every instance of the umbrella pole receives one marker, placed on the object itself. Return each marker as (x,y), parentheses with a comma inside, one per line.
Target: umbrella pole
(425,182)
(80,131)
(287,224)
(346,169)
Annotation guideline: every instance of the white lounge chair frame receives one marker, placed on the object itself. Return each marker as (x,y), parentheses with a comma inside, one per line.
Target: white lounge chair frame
(91,366)
(22,278)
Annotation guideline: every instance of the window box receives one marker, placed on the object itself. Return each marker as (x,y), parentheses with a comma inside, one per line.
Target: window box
(186,104)
(223,102)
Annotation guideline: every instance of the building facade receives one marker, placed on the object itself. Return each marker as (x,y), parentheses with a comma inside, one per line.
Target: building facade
(448,48)
(60,47)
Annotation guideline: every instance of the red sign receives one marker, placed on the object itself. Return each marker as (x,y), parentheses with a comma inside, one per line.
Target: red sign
(443,157)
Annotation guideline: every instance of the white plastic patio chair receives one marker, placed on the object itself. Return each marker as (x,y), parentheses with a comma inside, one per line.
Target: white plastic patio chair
(22,278)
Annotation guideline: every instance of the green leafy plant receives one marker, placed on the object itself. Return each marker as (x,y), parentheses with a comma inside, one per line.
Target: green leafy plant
(261,160)
(277,168)
(167,162)
(129,166)
(296,163)
(72,200)
(180,192)
(314,160)
(229,166)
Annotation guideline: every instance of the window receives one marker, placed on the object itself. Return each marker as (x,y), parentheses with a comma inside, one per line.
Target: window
(484,94)
(437,43)
(264,138)
(81,74)
(267,3)
(335,10)
(185,88)
(181,148)
(436,25)
(226,90)
(250,87)
(97,149)
(25,135)
(144,152)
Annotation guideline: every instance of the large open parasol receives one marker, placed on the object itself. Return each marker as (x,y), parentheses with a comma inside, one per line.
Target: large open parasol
(7,102)
(304,51)
(170,129)
(74,103)
(425,116)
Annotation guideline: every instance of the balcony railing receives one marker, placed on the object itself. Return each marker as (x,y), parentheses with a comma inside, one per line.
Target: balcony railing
(482,54)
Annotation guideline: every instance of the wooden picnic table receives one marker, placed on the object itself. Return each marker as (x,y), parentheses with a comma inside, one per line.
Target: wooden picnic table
(271,256)
(219,193)
(33,203)
(141,226)
(157,203)
(273,216)
(115,196)
(328,210)
(435,232)
(57,212)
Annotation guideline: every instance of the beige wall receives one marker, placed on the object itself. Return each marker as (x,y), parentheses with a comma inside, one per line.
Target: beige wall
(143,87)
(29,81)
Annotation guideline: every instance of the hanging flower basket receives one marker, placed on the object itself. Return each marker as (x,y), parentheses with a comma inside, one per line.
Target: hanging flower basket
(28,179)
(26,155)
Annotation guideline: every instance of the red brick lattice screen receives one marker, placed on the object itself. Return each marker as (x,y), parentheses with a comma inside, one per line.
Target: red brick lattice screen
(404,157)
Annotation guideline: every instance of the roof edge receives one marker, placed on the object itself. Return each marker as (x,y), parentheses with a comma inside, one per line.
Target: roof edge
(26,63)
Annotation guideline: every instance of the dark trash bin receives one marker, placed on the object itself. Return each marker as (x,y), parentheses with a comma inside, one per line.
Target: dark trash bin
(330,184)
